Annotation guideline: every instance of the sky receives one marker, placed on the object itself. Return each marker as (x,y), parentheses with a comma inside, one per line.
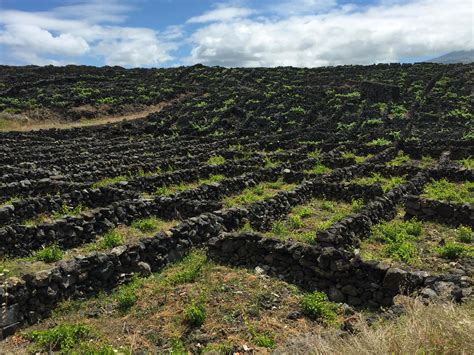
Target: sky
(235,33)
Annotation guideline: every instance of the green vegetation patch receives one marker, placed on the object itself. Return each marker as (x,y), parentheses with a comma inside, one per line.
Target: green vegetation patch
(304,221)
(257,193)
(386,183)
(444,190)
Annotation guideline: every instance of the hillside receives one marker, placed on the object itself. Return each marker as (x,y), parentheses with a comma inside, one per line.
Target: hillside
(465,57)
(283,210)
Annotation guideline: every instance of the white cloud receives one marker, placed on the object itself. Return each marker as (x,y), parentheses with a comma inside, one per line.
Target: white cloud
(222,13)
(81,29)
(345,35)
(299,7)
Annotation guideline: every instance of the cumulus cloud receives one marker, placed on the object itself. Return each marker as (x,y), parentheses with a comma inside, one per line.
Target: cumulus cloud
(343,35)
(85,28)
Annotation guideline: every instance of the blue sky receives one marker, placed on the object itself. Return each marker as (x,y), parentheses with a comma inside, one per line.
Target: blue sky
(164,33)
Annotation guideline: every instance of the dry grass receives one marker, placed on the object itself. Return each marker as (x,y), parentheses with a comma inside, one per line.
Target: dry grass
(241,308)
(7,124)
(432,329)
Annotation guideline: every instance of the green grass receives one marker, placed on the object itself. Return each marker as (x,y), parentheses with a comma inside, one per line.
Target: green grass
(399,238)
(464,234)
(453,251)
(357,158)
(386,183)
(9,201)
(379,142)
(147,225)
(315,154)
(195,314)
(444,190)
(319,168)
(60,338)
(216,160)
(109,181)
(400,159)
(317,306)
(212,179)
(467,163)
(187,270)
(257,193)
(66,210)
(304,221)
(126,296)
(110,240)
(49,254)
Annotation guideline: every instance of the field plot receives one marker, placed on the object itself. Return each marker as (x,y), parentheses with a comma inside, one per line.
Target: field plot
(258,210)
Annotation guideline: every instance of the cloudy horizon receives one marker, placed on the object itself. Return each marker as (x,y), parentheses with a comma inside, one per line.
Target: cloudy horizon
(241,33)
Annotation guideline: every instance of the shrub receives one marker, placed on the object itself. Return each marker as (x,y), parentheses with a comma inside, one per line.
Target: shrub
(195,314)
(447,191)
(126,296)
(452,250)
(188,270)
(295,221)
(279,228)
(216,160)
(319,168)
(109,181)
(398,237)
(357,204)
(49,254)
(317,306)
(146,225)
(60,338)
(464,234)
(110,240)
(379,142)
(302,211)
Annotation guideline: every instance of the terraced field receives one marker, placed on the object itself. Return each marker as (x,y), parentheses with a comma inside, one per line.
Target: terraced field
(256,211)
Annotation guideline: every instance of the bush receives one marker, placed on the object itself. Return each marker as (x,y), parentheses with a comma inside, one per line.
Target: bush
(60,338)
(49,254)
(216,160)
(110,240)
(317,306)
(399,237)
(126,297)
(447,191)
(452,250)
(195,314)
(146,225)
(464,234)
(295,222)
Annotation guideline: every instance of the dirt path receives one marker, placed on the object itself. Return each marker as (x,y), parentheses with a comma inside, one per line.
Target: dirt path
(37,125)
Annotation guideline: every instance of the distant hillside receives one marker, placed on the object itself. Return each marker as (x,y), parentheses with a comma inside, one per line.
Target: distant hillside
(465,57)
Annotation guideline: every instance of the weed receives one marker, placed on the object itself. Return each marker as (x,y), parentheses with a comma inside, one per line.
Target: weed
(454,251)
(379,142)
(188,270)
(60,338)
(49,254)
(110,240)
(319,168)
(109,181)
(195,314)
(126,297)
(464,234)
(317,306)
(216,160)
(399,160)
(316,154)
(447,191)
(146,225)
